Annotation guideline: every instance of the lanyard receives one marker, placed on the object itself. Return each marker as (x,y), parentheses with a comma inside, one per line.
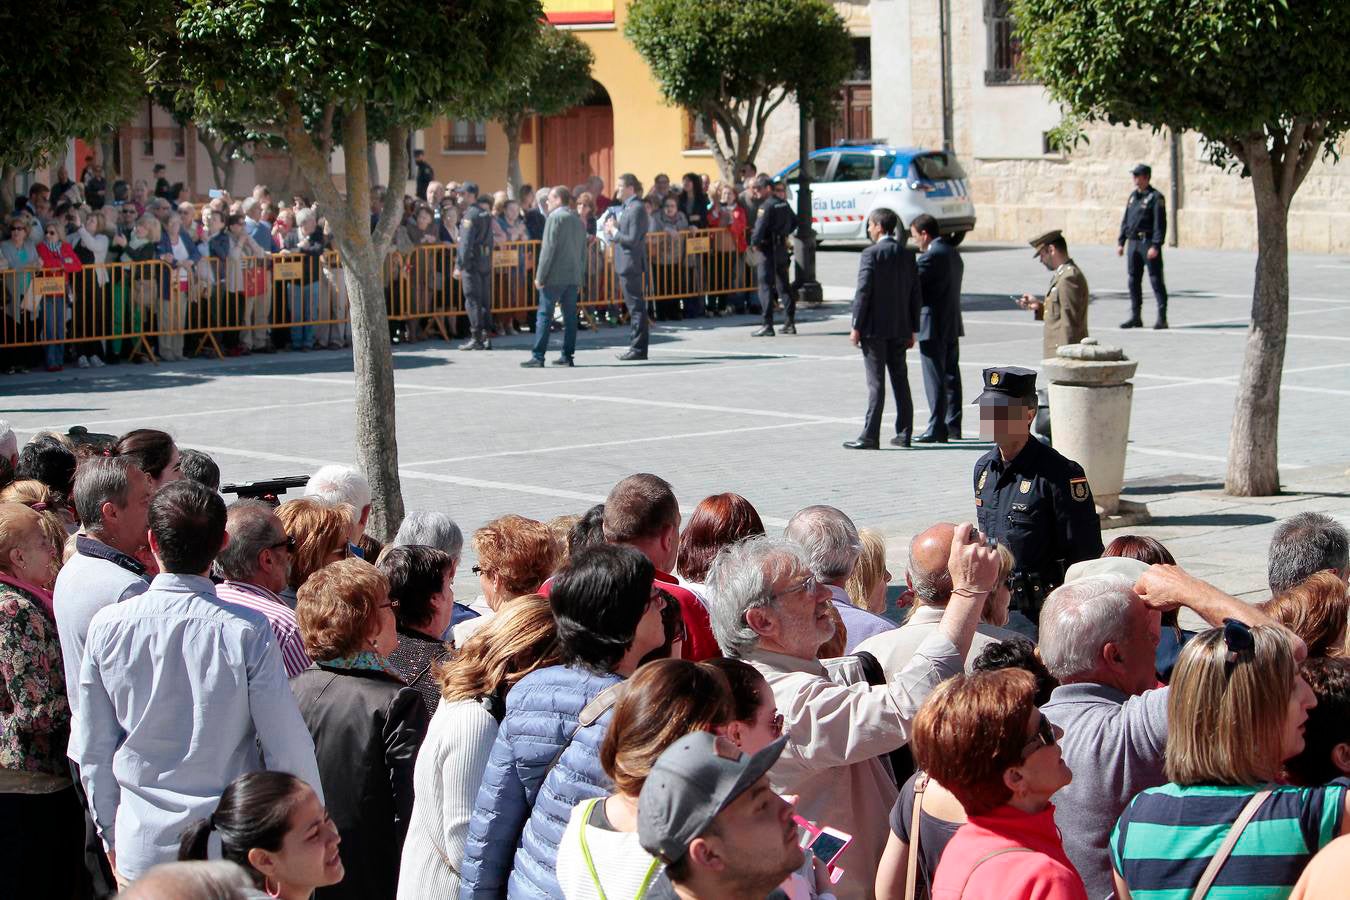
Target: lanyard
(590,864)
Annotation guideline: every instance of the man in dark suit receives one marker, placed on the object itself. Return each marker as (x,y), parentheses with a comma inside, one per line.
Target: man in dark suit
(940,273)
(885,318)
(773,226)
(629,235)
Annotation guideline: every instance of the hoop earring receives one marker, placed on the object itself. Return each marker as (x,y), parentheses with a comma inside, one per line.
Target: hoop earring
(267,886)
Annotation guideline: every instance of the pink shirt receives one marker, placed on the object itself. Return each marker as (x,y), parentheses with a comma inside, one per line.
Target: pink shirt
(1045,873)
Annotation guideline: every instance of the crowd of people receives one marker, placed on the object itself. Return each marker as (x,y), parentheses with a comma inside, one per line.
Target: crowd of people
(217,255)
(202,700)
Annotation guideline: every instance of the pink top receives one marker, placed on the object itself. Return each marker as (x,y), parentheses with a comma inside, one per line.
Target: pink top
(44,596)
(1045,873)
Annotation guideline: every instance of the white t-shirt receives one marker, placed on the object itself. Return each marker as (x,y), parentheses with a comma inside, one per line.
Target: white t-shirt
(620,862)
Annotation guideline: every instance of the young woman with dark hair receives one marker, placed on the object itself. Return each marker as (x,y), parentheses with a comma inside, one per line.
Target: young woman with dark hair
(154,453)
(1151,550)
(274,826)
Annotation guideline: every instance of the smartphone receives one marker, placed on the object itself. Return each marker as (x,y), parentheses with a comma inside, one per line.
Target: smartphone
(214,193)
(829,844)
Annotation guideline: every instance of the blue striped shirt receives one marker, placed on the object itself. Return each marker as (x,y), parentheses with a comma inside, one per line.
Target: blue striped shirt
(1167,836)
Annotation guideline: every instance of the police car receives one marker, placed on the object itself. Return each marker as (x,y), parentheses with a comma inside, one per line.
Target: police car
(850,180)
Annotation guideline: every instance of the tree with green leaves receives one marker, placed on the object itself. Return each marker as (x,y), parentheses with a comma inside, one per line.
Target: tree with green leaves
(81,83)
(733,62)
(318,74)
(1266,83)
(548,77)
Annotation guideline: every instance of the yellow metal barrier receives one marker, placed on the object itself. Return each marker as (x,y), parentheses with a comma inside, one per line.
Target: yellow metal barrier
(255,303)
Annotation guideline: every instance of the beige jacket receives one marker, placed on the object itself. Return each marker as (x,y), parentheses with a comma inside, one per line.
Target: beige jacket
(838,728)
(1066,309)
(895,648)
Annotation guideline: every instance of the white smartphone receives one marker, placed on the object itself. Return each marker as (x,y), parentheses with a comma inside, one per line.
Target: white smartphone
(829,844)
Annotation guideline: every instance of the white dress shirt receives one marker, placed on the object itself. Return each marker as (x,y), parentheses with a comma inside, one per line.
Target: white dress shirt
(179,692)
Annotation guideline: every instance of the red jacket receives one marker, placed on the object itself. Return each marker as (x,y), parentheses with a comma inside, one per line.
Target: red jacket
(736,222)
(63,258)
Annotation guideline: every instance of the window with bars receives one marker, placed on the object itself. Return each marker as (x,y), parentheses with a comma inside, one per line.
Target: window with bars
(1004,59)
(695,138)
(464,134)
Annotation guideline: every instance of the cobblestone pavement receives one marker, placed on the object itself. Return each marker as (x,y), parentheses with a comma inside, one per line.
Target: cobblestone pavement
(717,410)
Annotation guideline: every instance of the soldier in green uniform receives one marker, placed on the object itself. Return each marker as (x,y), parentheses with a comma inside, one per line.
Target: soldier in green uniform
(1065,305)
(1028,496)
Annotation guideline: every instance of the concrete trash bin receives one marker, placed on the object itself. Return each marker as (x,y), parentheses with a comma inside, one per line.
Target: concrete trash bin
(1090,396)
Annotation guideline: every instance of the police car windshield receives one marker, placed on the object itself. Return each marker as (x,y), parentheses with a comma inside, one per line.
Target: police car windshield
(938,167)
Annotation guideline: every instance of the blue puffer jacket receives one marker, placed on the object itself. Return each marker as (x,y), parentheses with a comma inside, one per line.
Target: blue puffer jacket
(541,716)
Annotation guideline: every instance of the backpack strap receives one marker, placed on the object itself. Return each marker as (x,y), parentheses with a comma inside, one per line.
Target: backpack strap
(1226,848)
(912,861)
(984,859)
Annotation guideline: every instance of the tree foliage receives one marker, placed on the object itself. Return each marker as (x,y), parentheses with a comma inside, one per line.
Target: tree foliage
(80,80)
(733,62)
(549,76)
(1266,83)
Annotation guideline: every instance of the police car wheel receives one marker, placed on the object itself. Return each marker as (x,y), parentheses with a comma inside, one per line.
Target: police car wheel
(956,237)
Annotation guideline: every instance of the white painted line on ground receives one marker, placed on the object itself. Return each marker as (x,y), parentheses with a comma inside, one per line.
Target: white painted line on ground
(1181,454)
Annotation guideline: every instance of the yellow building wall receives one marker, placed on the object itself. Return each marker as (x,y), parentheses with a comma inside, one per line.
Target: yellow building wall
(486,167)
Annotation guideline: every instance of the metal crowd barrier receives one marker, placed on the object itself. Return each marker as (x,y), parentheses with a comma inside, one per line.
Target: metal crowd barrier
(158,309)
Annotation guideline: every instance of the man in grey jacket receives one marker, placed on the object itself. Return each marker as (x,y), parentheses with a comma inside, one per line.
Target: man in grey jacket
(558,275)
(629,235)
(473,266)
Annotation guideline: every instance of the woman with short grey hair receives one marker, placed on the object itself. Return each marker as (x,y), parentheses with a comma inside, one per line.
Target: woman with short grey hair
(431,529)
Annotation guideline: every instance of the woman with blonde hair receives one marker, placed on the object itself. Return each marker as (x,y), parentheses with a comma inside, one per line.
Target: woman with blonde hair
(48,504)
(1316,609)
(319,532)
(867,583)
(1237,710)
(454,755)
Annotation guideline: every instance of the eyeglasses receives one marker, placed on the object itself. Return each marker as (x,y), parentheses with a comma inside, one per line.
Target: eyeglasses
(479,570)
(288,542)
(1046,735)
(392,604)
(808,585)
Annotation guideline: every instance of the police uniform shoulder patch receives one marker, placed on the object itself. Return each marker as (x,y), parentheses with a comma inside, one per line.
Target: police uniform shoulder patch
(984,476)
(1025,486)
(1078,488)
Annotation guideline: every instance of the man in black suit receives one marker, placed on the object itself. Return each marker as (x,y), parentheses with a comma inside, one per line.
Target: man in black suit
(628,235)
(773,225)
(885,318)
(940,273)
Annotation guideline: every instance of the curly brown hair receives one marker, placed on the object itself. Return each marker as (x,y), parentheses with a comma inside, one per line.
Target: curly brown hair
(318,530)
(338,608)
(521,552)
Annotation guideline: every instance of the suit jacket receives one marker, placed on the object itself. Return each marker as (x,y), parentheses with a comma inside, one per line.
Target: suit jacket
(475,241)
(772,227)
(630,243)
(940,273)
(889,298)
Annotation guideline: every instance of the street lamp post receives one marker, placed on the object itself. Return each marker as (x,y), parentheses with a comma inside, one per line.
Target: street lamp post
(804,242)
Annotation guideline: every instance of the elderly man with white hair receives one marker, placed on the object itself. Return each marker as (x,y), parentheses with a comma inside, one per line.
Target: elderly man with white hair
(1099,635)
(831,540)
(768,608)
(335,485)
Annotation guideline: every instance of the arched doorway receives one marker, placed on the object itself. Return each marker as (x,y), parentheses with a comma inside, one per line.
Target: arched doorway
(579,143)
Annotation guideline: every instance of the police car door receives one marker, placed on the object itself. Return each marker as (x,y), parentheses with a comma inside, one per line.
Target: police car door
(841,203)
(820,163)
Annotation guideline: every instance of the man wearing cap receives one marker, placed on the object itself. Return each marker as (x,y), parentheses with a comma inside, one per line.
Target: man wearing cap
(1143,229)
(1065,305)
(1028,496)
(1099,636)
(473,267)
(708,812)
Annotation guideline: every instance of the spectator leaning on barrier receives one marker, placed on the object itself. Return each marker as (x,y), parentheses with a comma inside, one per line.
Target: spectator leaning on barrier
(148,768)
(254,566)
(831,539)
(558,275)
(770,610)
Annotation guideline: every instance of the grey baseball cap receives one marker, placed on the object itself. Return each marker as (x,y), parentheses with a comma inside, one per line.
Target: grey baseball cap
(696,778)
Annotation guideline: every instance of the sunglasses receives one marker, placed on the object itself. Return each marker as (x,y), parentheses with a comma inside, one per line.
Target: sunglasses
(288,542)
(1046,735)
(479,570)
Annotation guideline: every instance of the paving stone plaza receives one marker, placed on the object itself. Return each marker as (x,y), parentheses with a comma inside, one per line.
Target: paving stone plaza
(716,410)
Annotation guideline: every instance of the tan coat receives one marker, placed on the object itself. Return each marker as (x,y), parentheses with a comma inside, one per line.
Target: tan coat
(838,728)
(1066,309)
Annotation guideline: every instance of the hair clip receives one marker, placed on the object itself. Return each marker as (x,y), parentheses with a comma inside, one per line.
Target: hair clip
(1238,638)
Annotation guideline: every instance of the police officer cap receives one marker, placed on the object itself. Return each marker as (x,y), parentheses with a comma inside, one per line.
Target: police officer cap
(1142,169)
(1006,385)
(1041,240)
(469,187)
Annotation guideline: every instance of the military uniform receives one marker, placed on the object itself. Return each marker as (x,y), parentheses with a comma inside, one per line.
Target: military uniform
(1065,310)
(1038,503)
(474,260)
(1144,227)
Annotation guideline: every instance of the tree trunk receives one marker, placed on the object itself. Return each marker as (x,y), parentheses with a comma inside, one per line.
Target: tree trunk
(1253,467)
(7,174)
(107,149)
(513,177)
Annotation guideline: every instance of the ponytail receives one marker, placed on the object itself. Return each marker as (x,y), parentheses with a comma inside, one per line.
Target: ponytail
(195,839)
(254,811)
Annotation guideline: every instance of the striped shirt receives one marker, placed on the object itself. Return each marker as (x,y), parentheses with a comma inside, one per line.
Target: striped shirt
(1167,836)
(280,616)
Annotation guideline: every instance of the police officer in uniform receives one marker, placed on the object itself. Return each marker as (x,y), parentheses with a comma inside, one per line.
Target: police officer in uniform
(773,227)
(1143,229)
(1028,496)
(473,267)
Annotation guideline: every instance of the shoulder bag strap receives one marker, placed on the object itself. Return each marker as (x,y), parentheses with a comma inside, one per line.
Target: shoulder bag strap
(984,859)
(1226,848)
(590,713)
(912,861)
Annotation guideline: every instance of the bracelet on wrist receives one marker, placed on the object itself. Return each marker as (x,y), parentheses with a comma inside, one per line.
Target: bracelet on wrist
(972,594)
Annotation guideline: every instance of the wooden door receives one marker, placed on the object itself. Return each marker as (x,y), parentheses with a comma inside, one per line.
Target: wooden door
(577,145)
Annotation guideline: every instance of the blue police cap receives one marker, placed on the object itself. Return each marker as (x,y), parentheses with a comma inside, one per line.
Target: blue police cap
(1006,385)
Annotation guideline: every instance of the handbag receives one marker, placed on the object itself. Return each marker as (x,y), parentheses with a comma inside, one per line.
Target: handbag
(255,281)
